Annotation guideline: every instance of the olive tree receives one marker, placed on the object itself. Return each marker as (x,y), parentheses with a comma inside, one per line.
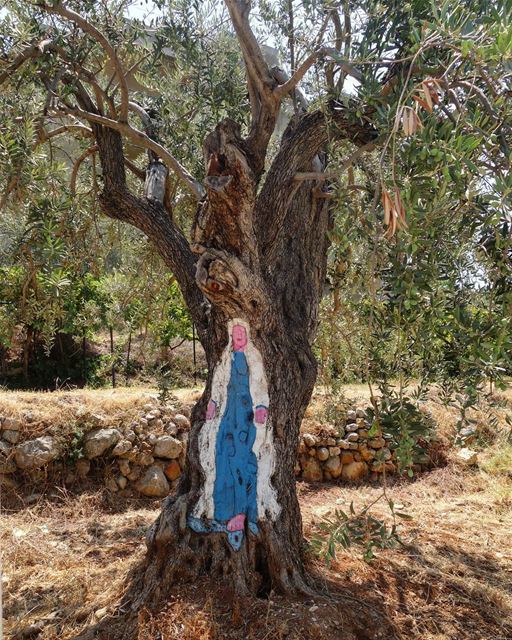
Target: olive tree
(360,77)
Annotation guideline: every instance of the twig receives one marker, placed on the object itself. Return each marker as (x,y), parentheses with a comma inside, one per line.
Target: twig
(74,173)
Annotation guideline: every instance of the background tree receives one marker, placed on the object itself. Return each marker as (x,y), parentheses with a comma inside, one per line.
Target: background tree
(427,90)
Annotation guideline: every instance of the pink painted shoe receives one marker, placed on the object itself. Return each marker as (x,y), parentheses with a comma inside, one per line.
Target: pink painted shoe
(236,523)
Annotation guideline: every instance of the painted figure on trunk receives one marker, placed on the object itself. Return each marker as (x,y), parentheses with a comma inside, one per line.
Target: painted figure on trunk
(236,447)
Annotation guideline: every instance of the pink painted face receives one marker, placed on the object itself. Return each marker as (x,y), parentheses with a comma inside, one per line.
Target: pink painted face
(239,337)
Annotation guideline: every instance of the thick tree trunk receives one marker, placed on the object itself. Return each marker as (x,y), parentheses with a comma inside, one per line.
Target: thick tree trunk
(258,273)
(272,557)
(274,297)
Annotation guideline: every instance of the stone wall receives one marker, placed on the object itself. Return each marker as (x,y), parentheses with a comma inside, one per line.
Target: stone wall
(350,453)
(147,455)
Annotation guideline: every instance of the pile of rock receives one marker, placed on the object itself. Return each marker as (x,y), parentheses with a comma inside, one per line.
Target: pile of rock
(350,453)
(146,456)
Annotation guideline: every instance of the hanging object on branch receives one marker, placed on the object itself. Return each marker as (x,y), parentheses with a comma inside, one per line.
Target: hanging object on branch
(156,176)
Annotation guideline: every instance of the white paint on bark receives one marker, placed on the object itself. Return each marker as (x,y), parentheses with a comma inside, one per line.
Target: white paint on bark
(263,446)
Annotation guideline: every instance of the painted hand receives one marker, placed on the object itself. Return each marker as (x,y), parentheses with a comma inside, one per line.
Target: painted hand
(211,409)
(260,414)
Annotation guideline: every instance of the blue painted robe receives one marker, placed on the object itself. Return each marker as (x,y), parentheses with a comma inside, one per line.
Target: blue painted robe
(234,490)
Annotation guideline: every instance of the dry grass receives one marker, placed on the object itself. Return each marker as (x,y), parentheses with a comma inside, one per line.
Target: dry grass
(66,559)
(453,576)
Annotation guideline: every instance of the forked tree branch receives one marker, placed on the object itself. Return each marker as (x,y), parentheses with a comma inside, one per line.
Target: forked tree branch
(35,50)
(257,68)
(144,140)
(260,81)
(61,10)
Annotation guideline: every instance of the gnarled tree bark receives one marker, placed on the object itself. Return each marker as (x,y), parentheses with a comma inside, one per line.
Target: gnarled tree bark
(261,258)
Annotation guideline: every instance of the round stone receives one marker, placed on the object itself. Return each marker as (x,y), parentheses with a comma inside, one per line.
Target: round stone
(354,471)
(311,469)
(123,446)
(153,483)
(347,457)
(124,467)
(98,441)
(309,440)
(322,453)
(36,453)
(181,421)
(11,436)
(333,466)
(172,470)
(168,447)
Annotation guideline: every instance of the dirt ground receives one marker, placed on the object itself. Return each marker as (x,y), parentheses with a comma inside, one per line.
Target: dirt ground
(66,558)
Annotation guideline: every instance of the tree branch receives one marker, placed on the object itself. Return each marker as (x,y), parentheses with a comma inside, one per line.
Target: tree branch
(321,176)
(283,89)
(140,173)
(304,140)
(44,136)
(78,162)
(61,10)
(152,219)
(264,104)
(29,52)
(145,141)
(256,66)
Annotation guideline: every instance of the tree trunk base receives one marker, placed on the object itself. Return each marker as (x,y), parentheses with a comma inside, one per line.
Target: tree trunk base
(179,556)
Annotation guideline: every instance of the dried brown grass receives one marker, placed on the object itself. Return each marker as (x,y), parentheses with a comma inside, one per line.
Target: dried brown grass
(66,559)
(57,410)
